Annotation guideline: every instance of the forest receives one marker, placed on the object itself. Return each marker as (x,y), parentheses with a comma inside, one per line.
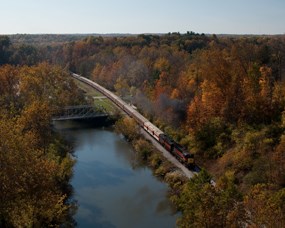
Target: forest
(35,163)
(222,97)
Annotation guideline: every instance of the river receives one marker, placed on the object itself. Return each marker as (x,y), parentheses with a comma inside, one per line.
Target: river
(110,185)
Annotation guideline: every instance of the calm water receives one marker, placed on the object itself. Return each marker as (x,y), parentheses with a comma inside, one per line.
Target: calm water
(112,190)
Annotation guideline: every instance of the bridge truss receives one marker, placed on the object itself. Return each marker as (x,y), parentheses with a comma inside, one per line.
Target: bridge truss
(80,112)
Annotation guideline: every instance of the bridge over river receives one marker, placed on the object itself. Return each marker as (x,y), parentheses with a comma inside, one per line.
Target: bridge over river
(80,112)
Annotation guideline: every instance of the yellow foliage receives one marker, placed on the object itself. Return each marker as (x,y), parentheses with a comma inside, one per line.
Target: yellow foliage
(31,195)
(128,127)
(175,94)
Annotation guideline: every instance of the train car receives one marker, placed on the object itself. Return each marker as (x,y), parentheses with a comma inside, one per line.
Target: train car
(152,130)
(166,142)
(139,118)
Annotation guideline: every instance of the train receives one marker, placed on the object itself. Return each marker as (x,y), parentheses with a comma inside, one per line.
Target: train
(177,150)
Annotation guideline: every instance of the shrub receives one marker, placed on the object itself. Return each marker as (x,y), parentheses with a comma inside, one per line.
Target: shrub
(128,127)
(143,148)
(155,161)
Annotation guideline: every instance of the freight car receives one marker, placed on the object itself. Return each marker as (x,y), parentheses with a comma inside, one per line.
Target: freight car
(169,144)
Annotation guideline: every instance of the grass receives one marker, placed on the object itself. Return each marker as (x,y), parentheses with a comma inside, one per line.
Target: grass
(106,104)
(99,98)
(88,89)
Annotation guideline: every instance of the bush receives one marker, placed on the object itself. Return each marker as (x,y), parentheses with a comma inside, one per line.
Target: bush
(128,127)
(155,161)
(160,171)
(143,148)
(175,179)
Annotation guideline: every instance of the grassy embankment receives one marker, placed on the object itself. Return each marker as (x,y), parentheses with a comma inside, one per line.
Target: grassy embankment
(97,97)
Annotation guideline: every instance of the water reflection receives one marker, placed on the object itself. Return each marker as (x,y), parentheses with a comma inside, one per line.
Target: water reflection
(109,176)
(109,190)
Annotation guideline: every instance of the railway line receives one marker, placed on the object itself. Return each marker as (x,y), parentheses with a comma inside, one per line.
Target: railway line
(171,150)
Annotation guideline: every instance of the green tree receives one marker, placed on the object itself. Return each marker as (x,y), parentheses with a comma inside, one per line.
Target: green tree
(4,49)
(204,205)
(26,55)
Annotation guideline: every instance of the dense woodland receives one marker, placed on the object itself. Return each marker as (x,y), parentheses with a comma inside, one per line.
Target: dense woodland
(35,164)
(223,97)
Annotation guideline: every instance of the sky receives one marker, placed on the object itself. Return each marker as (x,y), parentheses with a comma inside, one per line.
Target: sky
(142,16)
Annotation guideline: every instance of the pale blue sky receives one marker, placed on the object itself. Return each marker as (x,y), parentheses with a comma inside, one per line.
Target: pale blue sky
(142,16)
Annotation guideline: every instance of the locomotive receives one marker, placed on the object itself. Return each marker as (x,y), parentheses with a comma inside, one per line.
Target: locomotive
(177,150)
(169,144)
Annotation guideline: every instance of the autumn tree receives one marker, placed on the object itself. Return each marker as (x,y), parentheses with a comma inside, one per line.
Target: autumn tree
(265,206)
(278,159)
(122,87)
(9,87)
(30,195)
(48,84)
(128,127)
(35,169)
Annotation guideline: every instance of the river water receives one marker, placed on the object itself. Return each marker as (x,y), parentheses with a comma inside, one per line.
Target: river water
(111,187)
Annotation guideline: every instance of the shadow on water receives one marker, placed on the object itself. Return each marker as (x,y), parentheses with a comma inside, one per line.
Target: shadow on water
(90,123)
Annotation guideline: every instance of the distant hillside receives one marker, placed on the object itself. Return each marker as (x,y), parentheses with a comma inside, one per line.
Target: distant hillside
(49,39)
(44,39)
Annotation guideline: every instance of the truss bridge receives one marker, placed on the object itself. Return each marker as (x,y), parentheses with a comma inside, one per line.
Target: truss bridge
(80,112)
